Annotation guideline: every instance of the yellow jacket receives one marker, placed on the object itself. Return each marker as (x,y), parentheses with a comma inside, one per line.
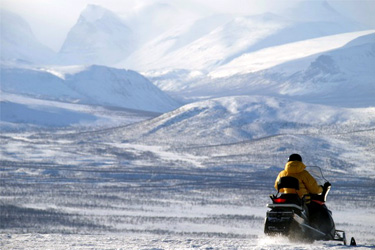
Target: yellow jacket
(307,183)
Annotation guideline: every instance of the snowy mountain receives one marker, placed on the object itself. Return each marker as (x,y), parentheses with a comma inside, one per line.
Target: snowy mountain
(120,88)
(98,37)
(227,38)
(97,85)
(348,71)
(277,55)
(343,76)
(326,73)
(18,43)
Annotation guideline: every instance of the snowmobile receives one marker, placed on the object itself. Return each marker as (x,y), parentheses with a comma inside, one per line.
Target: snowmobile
(302,219)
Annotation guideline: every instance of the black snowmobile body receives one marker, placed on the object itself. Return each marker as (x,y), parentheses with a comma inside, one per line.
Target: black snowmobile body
(307,219)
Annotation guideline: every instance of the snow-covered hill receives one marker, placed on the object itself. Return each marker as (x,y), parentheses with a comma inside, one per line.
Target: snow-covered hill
(239,118)
(18,43)
(98,37)
(96,85)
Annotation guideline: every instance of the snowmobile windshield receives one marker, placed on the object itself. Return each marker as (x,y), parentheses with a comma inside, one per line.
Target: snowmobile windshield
(317,173)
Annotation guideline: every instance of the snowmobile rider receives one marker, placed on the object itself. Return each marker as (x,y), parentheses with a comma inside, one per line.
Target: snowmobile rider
(295,168)
(319,215)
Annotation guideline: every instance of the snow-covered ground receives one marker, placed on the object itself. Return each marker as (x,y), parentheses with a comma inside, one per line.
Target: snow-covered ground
(118,188)
(147,242)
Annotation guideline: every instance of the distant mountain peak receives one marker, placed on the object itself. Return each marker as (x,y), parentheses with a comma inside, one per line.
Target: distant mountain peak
(98,37)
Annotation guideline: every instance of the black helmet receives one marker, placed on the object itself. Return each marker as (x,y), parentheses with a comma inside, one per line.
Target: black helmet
(295,157)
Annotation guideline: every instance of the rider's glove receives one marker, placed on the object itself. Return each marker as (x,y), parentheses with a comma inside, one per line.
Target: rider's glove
(326,185)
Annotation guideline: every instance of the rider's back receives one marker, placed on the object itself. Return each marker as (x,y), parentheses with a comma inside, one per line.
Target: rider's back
(307,183)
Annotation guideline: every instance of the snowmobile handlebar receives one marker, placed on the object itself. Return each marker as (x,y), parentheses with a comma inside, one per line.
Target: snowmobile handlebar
(326,189)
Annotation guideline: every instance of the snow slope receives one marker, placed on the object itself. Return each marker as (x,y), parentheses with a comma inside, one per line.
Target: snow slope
(97,85)
(98,37)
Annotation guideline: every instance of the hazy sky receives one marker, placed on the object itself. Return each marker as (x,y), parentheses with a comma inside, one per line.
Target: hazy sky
(51,20)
